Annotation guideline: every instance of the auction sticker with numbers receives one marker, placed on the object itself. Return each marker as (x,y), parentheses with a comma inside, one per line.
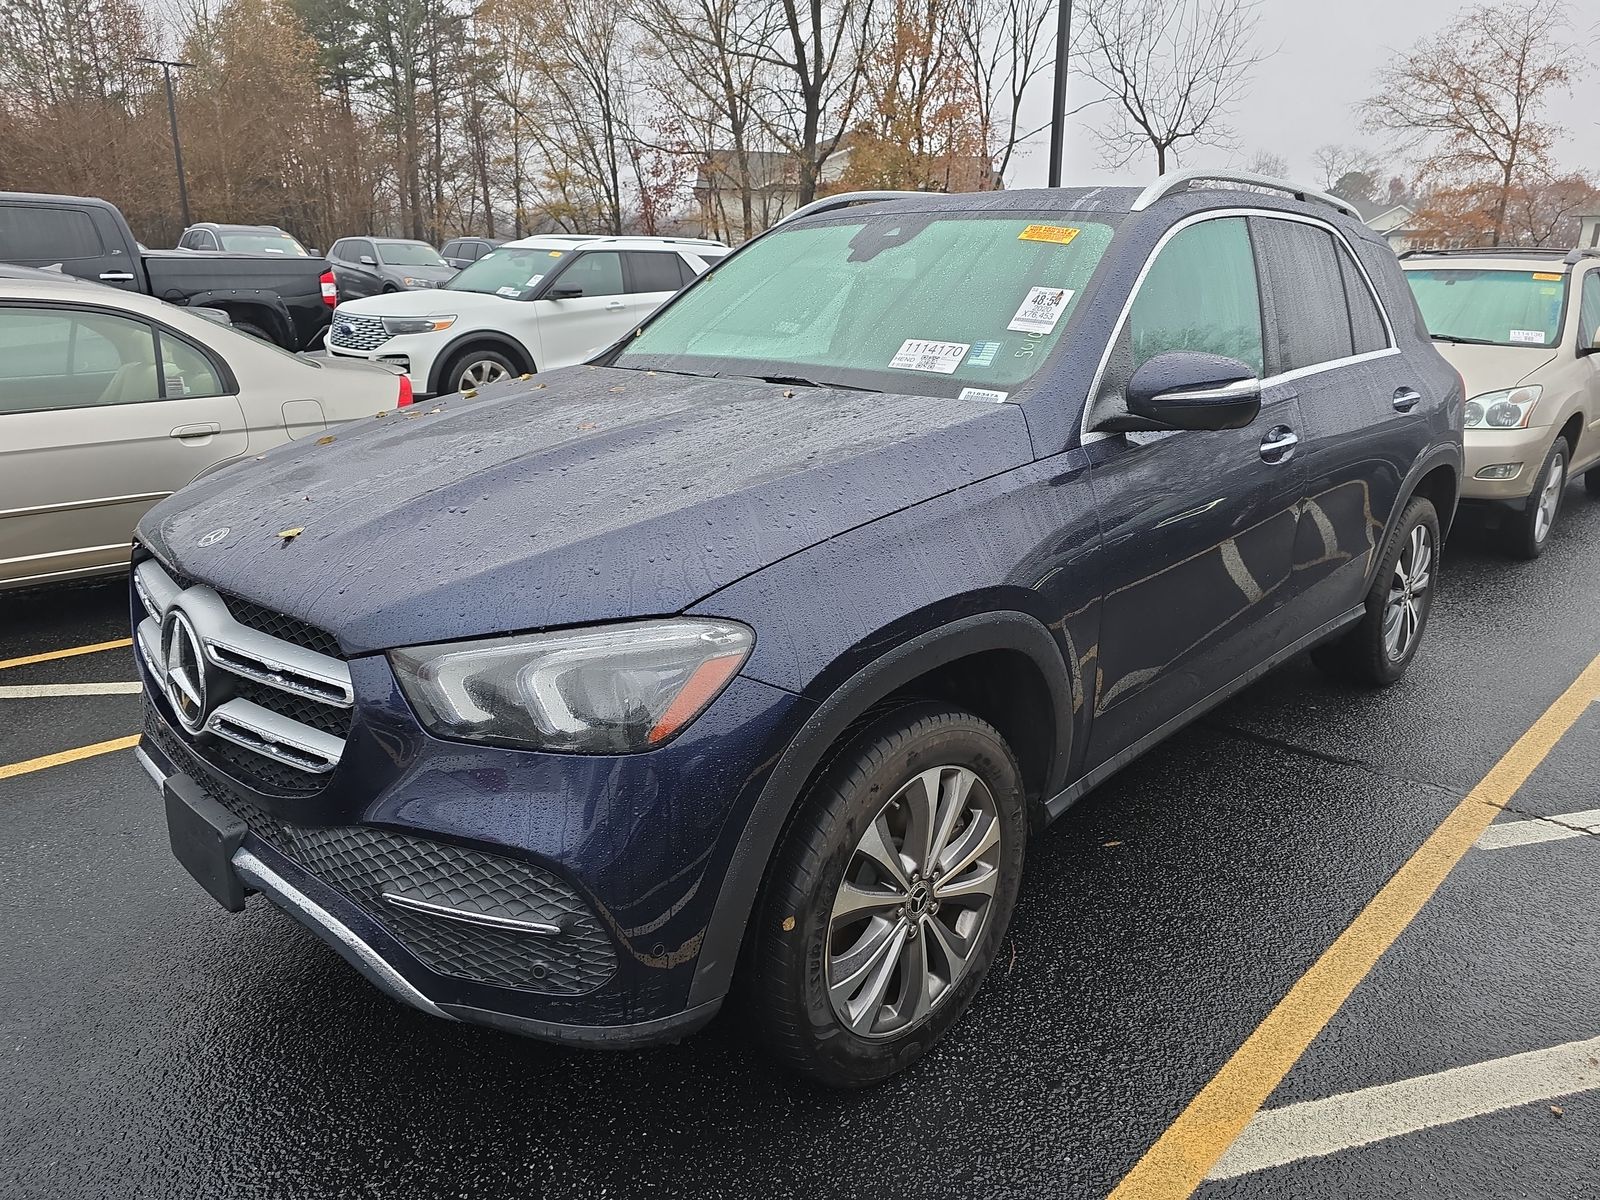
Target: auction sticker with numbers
(1041,310)
(916,354)
(1528,335)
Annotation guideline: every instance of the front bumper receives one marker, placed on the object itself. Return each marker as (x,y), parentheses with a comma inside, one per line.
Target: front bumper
(1494,447)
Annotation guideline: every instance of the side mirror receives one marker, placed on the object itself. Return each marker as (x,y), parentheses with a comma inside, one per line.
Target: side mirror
(1592,348)
(313,252)
(368,261)
(1189,390)
(570,292)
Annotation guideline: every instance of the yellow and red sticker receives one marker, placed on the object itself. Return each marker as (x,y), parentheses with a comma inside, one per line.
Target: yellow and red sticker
(1547,276)
(1060,234)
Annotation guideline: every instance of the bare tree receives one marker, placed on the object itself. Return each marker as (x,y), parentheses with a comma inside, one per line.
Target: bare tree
(1269,163)
(1175,69)
(1008,44)
(1353,172)
(1471,97)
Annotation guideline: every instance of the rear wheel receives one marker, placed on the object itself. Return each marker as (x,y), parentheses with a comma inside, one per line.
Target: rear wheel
(1378,648)
(1526,533)
(890,896)
(476,368)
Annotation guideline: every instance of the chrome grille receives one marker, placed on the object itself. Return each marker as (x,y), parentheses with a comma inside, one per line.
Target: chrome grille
(356,333)
(283,706)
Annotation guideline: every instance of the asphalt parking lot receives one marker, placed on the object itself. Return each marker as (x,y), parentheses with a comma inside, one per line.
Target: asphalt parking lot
(1183,935)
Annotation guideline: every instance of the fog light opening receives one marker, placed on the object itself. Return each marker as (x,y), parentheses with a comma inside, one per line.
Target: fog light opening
(1499,471)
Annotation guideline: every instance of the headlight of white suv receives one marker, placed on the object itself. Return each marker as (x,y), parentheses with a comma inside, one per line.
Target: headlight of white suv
(1510,409)
(395,326)
(608,689)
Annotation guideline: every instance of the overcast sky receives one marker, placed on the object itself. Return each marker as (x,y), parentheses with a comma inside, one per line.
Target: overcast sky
(1303,96)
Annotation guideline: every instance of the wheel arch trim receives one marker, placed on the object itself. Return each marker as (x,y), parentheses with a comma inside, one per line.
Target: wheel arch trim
(1439,456)
(742,882)
(488,337)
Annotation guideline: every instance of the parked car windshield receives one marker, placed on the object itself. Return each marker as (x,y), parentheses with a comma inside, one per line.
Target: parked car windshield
(410,254)
(262,243)
(928,303)
(508,271)
(1491,304)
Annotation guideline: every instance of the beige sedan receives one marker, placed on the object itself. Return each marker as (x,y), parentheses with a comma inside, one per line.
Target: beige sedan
(110,401)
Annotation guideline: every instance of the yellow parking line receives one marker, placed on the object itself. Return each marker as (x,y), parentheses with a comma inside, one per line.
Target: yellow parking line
(1180,1158)
(52,655)
(28,766)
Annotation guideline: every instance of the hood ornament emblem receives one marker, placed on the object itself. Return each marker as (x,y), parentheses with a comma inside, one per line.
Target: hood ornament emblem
(212,538)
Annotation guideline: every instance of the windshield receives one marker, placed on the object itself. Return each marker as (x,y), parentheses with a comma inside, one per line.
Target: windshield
(1491,304)
(262,243)
(926,303)
(508,271)
(410,254)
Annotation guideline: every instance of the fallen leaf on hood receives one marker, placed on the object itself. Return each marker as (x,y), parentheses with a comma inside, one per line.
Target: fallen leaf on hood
(432,411)
(289,535)
(384,413)
(787,395)
(587,425)
(525,376)
(326,440)
(1111,843)
(469,393)
(544,385)
(1557,1110)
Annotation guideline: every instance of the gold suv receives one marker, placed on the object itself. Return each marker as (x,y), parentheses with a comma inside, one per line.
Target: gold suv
(1523,328)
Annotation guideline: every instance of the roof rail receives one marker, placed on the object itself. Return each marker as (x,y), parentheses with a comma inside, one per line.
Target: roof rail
(849,200)
(1574,257)
(1182,181)
(1489,252)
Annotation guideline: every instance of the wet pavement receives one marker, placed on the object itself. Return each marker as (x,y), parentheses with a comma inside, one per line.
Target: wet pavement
(157,1046)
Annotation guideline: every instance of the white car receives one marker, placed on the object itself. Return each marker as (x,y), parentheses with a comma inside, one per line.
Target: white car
(531,305)
(111,400)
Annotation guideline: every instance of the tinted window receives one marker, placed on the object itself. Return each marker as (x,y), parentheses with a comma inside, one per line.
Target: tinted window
(450,250)
(1307,317)
(654,271)
(1589,312)
(1200,294)
(361,249)
(60,359)
(339,250)
(597,274)
(1366,321)
(48,235)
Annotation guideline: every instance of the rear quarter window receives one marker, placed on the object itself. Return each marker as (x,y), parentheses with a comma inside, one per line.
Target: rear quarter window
(35,234)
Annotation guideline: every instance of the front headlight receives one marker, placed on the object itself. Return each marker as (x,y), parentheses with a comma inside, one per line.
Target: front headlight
(1510,409)
(609,689)
(395,326)
(416,283)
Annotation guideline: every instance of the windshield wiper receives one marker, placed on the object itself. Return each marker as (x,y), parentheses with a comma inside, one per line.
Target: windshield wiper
(1462,341)
(799,381)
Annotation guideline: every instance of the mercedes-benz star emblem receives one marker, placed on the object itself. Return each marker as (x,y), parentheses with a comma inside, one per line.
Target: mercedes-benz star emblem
(186,670)
(212,538)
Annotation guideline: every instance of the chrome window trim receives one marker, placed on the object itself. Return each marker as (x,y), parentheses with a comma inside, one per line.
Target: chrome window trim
(1087,437)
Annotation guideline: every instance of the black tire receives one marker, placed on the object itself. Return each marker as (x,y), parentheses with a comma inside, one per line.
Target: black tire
(254,331)
(1524,533)
(389,289)
(1591,482)
(788,974)
(471,359)
(1364,654)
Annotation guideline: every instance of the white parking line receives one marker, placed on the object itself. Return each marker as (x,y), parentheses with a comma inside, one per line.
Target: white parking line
(1318,1127)
(1540,829)
(42,691)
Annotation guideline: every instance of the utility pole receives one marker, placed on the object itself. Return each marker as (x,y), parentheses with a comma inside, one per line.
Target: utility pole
(166,66)
(1058,104)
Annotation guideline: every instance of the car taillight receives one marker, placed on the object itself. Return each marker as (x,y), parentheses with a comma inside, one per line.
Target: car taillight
(330,289)
(405,391)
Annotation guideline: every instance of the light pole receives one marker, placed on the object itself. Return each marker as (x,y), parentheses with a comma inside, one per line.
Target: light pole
(1058,103)
(166,66)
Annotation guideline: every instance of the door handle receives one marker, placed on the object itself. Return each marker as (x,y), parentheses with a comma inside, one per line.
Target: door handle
(205,429)
(1405,399)
(1278,446)
(116,276)
(615,306)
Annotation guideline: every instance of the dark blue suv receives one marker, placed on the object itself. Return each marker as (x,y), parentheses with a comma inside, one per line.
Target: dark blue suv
(746,659)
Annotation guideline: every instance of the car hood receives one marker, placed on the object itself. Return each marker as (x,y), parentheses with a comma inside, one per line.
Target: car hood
(1494,368)
(433,274)
(426,302)
(592,495)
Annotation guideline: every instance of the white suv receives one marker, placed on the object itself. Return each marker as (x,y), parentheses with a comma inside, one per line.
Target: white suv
(530,305)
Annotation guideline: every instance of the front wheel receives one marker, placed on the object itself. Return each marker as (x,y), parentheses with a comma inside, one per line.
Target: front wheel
(890,897)
(1527,532)
(1378,648)
(477,368)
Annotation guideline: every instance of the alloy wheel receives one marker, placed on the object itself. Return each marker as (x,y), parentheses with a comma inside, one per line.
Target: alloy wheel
(915,899)
(1403,611)
(1549,500)
(485,371)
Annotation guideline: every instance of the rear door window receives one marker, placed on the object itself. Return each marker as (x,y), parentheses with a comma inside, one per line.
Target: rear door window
(1308,317)
(34,234)
(654,271)
(1589,312)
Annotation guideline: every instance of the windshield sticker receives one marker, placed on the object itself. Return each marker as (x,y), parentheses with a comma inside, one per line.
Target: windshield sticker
(533,280)
(1546,276)
(1041,310)
(983,354)
(508,291)
(557,253)
(988,395)
(1528,335)
(916,354)
(1060,234)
